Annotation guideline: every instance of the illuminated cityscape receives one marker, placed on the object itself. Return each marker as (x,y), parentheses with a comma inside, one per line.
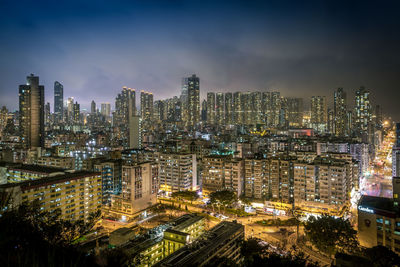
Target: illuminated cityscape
(249,146)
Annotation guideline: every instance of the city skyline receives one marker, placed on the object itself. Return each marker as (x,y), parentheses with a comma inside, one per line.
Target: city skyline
(94,52)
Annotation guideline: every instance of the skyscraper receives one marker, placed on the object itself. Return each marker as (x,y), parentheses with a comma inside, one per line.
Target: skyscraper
(396,153)
(219,109)
(256,108)
(93,107)
(125,104)
(204,110)
(135,132)
(58,100)
(146,107)
(70,109)
(106,109)
(340,112)
(319,113)
(31,108)
(362,111)
(237,108)
(192,110)
(211,108)
(77,113)
(228,108)
(271,107)
(294,111)
(47,114)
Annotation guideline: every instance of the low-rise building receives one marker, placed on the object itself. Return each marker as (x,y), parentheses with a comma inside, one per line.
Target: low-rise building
(223,240)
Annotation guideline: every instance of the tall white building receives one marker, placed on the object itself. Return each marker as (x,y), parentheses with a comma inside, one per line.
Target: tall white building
(139,189)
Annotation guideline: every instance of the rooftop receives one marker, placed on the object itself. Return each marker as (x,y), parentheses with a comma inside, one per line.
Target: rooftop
(35,168)
(380,205)
(201,250)
(50,180)
(184,221)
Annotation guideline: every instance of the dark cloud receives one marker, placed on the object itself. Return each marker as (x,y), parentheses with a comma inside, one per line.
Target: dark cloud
(301,49)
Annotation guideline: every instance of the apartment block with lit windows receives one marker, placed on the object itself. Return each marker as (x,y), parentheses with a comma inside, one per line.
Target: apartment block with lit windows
(57,162)
(75,194)
(325,181)
(254,175)
(222,172)
(185,230)
(178,172)
(23,172)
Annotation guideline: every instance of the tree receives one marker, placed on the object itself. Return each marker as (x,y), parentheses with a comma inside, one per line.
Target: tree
(185,195)
(31,237)
(382,256)
(331,235)
(256,254)
(223,198)
(245,200)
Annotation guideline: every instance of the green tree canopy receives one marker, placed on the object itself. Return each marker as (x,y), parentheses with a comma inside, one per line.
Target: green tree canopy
(331,235)
(186,195)
(31,237)
(223,198)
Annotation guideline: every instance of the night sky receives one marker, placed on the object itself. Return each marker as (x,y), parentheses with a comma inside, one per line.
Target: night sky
(96,47)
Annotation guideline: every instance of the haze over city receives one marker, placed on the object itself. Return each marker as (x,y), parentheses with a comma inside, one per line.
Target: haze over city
(300,49)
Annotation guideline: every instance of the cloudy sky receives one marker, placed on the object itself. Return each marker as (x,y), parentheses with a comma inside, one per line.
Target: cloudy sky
(301,49)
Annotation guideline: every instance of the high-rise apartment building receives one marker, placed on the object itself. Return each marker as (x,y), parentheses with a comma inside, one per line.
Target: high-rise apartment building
(93,107)
(271,106)
(192,105)
(70,109)
(340,112)
(222,172)
(135,132)
(105,109)
(256,114)
(47,114)
(178,172)
(204,110)
(31,108)
(146,108)
(295,110)
(362,110)
(4,116)
(125,104)
(219,109)
(229,108)
(319,113)
(325,180)
(211,108)
(111,173)
(396,153)
(254,176)
(58,100)
(237,108)
(76,112)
